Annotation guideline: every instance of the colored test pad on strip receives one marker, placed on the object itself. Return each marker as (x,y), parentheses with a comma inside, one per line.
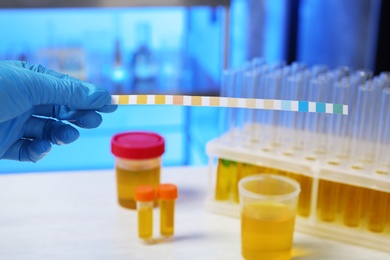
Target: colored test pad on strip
(250,103)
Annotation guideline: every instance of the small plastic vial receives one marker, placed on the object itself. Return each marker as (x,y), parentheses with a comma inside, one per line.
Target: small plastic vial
(137,162)
(145,196)
(167,194)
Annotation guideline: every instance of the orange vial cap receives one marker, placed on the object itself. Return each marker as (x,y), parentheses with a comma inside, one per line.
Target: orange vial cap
(144,193)
(167,191)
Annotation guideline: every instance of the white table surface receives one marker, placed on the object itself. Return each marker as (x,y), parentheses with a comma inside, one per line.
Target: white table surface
(74,215)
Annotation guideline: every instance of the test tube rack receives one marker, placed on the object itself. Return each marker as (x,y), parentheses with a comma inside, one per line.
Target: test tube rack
(341,203)
(341,162)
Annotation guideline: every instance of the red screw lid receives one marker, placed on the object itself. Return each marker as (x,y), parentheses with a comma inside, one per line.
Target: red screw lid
(137,145)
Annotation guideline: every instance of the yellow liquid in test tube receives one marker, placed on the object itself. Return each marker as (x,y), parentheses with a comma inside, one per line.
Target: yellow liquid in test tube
(167,194)
(226,179)
(246,169)
(128,180)
(229,173)
(327,203)
(267,231)
(378,208)
(234,179)
(352,202)
(304,202)
(365,203)
(167,210)
(145,195)
(145,222)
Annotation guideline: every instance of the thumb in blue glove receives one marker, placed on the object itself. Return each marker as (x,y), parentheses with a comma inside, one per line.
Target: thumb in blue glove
(34,101)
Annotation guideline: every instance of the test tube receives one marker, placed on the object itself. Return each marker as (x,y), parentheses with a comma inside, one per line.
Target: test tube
(286,72)
(337,153)
(318,69)
(313,127)
(223,179)
(297,66)
(273,83)
(338,138)
(167,195)
(336,197)
(377,210)
(239,91)
(315,141)
(384,77)
(382,81)
(363,75)
(227,169)
(226,114)
(145,195)
(276,65)
(300,118)
(249,87)
(259,114)
(364,128)
(332,77)
(246,83)
(288,136)
(257,62)
(328,196)
(362,145)
(351,204)
(316,123)
(343,71)
(382,158)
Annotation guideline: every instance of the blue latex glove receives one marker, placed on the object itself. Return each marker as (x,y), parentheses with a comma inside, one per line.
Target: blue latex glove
(34,100)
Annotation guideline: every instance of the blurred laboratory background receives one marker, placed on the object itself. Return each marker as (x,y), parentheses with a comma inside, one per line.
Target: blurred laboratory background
(179,47)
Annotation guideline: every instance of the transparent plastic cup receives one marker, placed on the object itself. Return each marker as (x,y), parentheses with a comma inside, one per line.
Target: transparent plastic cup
(268,206)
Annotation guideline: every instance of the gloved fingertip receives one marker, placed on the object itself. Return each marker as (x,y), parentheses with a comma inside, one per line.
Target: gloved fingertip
(66,134)
(108,109)
(25,150)
(95,98)
(88,120)
(35,150)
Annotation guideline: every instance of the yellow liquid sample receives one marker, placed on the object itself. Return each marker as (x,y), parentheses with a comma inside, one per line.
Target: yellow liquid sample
(145,222)
(226,177)
(365,202)
(304,202)
(377,211)
(352,197)
(273,171)
(128,180)
(167,217)
(246,170)
(327,203)
(267,231)
(234,179)
(243,170)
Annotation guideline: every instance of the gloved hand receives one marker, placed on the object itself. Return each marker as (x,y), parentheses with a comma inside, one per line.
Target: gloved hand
(34,100)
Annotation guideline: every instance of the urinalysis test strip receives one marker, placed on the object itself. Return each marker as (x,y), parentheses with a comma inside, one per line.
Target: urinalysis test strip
(251,103)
